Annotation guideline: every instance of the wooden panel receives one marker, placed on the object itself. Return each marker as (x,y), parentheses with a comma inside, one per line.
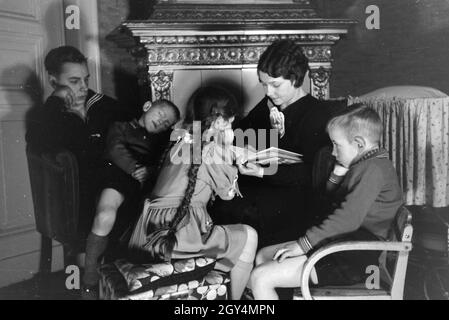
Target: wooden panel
(19,9)
(21,76)
(17,265)
(18,269)
(11,246)
(21,69)
(18,208)
(28,30)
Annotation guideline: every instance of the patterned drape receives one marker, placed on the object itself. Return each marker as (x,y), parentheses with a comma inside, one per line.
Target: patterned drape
(417,137)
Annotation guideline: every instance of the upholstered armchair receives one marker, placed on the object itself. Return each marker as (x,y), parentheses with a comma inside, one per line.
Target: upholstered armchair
(55,191)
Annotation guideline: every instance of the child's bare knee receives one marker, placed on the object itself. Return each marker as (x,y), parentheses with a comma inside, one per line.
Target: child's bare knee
(258,276)
(251,234)
(109,199)
(249,250)
(106,216)
(263,256)
(260,258)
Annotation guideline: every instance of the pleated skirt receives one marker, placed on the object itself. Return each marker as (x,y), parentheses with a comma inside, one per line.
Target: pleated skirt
(198,237)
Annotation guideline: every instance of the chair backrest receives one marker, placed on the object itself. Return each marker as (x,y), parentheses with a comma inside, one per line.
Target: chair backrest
(403,230)
(322,167)
(55,191)
(324,162)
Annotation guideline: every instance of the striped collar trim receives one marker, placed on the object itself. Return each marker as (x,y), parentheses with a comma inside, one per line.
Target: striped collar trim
(95,98)
(375,153)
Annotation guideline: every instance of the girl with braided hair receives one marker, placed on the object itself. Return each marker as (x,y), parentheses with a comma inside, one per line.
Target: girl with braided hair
(175,223)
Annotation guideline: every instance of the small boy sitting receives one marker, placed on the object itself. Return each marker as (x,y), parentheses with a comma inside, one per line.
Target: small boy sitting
(133,150)
(366,195)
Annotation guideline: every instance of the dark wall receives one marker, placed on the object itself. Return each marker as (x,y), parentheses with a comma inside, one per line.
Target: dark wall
(411,47)
(118,69)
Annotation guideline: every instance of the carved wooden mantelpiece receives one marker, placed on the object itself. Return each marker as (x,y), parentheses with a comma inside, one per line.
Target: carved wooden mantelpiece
(180,36)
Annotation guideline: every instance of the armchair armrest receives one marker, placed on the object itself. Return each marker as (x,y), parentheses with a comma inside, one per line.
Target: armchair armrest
(56,159)
(55,190)
(346,246)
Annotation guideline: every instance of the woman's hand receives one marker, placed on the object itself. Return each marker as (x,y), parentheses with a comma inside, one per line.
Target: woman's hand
(277,120)
(290,249)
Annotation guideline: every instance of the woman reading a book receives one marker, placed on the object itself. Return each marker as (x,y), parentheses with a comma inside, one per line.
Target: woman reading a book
(274,202)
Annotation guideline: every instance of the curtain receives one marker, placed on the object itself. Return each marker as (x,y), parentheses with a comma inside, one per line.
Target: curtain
(416,134)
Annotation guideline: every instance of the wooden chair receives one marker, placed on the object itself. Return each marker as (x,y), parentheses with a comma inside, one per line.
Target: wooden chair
(392,281)
(55,191)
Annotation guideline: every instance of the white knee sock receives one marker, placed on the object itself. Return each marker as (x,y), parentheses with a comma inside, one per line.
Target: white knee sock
(239,278)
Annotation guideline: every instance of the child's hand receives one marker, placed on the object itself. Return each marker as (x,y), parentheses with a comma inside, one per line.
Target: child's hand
(66,94)
(243,154)
(339,170)
(290,249)
(251,169)
(140,174)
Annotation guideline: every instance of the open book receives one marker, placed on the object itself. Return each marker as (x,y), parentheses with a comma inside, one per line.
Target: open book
(273,155)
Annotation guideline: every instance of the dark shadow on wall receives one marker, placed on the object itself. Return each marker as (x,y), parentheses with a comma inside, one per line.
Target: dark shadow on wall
(233,88)
(332,8)
(408,49)
(140,9)
(34,90)
(124,80)
(127,91)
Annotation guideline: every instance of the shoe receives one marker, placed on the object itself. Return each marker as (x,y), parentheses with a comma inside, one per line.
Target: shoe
(89,292)
(247,294)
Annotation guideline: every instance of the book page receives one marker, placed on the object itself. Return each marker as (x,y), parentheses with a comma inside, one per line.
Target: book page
(272,155)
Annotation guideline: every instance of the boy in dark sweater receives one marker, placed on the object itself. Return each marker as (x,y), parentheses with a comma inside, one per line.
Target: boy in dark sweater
(133,150)
(366,196)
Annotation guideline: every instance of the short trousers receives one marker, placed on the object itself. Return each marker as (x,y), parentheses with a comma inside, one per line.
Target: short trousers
(113,177)
(347,267)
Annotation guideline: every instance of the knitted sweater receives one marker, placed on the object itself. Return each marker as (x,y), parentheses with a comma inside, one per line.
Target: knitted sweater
(369,197)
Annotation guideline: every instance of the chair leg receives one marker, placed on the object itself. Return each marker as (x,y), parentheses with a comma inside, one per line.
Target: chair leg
(69,254)
(46,255)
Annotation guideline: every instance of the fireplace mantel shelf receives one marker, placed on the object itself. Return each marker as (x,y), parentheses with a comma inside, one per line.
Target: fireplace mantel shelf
(182,36)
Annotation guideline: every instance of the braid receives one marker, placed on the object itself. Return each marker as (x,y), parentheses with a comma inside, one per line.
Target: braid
(162,242)
(182,213)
